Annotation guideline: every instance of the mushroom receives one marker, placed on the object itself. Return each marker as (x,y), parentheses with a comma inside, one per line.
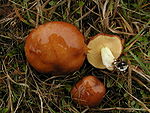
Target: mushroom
(103,50)
(89,91)
(56,47)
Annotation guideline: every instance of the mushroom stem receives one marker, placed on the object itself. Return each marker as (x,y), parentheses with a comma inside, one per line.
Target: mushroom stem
(107,58)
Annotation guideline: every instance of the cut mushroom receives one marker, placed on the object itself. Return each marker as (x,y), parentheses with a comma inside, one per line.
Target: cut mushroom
(104,50)
(89,91)
(55,47)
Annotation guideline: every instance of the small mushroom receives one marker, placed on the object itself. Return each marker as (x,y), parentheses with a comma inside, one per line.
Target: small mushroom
(103,50)
(89,91)
(55,47)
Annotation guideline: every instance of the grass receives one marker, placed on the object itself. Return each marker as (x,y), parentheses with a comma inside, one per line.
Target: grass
(22,89)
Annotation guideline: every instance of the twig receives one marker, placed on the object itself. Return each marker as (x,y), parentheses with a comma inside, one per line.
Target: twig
(137,36)
(59,3)
(6,73)
(38,91)
(142,74)
(38,7)
(6,19)
(18,104)
(10,103)
(118,108)
(129,85)
(30,10)
(86,14)
(41,102)
(44,4)
(141,83)
(139,101)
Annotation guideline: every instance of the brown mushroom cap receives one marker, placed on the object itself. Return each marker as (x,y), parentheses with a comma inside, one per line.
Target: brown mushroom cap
(89,91)
(55,47)
(99,41)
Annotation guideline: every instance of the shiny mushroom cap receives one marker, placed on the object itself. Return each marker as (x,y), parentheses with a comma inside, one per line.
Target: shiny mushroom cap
(104,50)
(55,47)
(89,91)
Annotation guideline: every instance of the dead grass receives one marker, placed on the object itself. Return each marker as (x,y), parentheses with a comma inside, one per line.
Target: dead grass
(22,89)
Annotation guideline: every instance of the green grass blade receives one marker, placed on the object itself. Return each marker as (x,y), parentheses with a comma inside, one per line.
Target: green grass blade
(139,61)
(136,37)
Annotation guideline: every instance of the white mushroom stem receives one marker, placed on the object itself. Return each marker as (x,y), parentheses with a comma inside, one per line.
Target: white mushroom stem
(107,58)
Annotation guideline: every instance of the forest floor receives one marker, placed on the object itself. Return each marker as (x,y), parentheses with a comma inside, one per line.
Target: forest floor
(23,89)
